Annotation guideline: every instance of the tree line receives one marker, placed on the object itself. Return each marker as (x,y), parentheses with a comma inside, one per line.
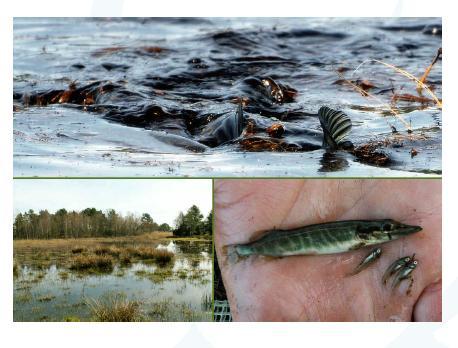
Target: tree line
(91,222)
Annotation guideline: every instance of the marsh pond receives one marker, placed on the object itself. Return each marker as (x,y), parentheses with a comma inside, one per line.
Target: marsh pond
(142,278)
(161,96)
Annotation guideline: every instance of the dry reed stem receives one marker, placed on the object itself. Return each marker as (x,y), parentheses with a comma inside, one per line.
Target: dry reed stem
(366,93)
(428,69)
(406,74)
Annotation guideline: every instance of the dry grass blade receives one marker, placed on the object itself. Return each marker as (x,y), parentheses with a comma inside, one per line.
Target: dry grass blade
(365,93)
(406,74)
(428,69)
(411,98)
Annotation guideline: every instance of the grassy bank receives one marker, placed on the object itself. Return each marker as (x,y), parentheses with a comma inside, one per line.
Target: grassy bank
(85,242)
(96,254)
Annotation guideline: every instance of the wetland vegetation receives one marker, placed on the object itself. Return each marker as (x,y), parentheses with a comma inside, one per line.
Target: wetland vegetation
(131,276)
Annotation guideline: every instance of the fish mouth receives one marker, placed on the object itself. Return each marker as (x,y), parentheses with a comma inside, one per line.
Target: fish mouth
(405,230)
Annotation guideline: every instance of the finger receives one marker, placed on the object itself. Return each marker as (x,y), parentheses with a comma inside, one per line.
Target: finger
(429,305)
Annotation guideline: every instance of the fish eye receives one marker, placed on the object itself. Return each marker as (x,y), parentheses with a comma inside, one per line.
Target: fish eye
(415,262)
(407,258)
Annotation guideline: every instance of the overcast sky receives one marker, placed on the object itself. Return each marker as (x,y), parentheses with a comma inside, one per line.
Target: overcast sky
(162,198)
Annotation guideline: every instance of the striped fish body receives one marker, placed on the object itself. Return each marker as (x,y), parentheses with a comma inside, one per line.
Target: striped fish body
(404,273)
(373,256)
(395,267)
(326,238)
(336,126)
(313,240)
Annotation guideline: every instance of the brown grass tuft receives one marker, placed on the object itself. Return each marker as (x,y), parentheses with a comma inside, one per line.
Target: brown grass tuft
(124,259)
(104,250)
(115,308)
(77,250)
(92,262)
(161,256)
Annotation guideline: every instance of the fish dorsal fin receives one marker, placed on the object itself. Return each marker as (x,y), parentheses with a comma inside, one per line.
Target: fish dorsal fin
(336,126)
(234,124)
(239,120)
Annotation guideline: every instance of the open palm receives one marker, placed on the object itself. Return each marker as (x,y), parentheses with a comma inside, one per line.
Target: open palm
(319,288)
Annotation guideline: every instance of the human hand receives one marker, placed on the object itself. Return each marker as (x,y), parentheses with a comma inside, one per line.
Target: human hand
(318,288)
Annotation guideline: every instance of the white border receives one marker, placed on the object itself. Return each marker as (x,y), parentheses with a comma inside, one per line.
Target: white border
(235,334)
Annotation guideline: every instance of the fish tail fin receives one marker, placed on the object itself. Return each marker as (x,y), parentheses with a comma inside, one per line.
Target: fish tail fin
(395,284)
(355,271)
(397,281)
(336,126)
(351,273)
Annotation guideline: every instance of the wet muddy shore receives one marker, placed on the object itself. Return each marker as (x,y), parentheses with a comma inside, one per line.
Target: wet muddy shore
(159,97)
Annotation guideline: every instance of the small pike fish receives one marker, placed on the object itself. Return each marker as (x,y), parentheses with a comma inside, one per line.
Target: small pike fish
(395,267)
(373,256)
(405,273)
(325,238)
